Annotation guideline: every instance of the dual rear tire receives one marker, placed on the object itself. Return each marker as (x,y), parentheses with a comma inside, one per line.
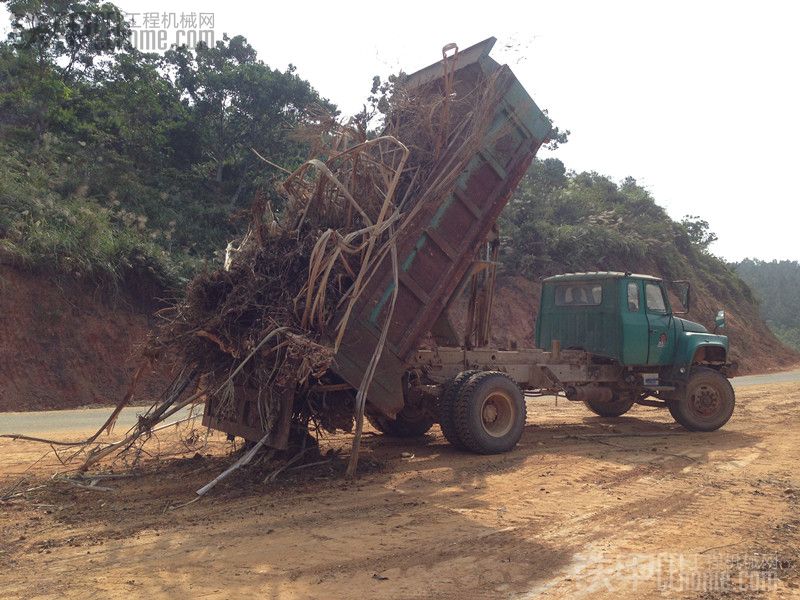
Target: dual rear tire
(482,411)
(479,411)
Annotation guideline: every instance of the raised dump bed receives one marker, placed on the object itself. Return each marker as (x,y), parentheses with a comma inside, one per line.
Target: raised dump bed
(438,248)
(469,131)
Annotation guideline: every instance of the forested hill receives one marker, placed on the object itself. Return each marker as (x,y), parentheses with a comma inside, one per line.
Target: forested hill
(117,166)
(776,284)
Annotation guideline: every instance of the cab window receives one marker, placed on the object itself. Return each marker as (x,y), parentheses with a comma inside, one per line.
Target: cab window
(655,298)
(579,294)
(633,297)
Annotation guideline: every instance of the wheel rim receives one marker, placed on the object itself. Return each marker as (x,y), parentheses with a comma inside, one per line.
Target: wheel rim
(705,401)
(497,413)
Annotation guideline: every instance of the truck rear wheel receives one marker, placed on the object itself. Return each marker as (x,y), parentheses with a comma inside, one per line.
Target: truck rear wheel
(408,424)
(707,403)
(619,404)
(490,413)
(451,391)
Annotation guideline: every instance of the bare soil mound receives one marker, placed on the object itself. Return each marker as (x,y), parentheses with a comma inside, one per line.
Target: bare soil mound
(65,344)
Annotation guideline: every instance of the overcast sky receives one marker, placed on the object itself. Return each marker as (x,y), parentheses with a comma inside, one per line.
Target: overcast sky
(699,101)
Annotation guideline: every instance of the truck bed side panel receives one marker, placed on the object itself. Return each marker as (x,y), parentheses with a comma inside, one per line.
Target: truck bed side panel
(438,248)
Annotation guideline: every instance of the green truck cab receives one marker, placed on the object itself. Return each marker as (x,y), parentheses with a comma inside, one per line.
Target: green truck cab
(624,317)
(628,320)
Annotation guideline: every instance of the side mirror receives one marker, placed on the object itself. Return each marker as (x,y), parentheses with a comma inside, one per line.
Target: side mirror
(683,291)
(719,320)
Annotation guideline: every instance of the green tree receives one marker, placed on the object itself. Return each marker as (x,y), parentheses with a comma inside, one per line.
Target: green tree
(51,46)
(238,103)
(699,231)
(559,221)
(67,35)
(157,148)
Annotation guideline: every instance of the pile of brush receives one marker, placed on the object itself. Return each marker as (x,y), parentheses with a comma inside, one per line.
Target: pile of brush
(271,320)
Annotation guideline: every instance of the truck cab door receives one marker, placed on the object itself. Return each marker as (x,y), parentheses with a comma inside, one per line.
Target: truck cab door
(635,328)
(661,333)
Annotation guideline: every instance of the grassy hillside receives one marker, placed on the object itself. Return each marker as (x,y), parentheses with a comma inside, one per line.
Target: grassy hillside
(49,225)
(564,221)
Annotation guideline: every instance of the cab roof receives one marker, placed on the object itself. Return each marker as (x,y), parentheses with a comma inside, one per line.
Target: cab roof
(594,275)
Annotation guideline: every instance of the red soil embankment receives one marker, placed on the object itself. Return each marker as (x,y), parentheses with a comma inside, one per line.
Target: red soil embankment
(63,344)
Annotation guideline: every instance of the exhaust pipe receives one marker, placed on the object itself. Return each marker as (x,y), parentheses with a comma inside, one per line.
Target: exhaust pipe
(588,393)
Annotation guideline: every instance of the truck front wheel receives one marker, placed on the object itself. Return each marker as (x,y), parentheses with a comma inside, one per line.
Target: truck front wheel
(707,403)
(619,404)
(489,415)
(409,423)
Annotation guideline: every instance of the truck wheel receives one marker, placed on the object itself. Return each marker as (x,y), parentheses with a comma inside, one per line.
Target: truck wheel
(408,424)
(620,404)
(451,390)
(490,413)
(707,403)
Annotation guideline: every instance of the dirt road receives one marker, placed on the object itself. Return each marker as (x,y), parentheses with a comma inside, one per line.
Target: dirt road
(631,507)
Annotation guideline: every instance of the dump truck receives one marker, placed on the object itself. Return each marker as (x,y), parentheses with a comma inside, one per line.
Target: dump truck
(607,339)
